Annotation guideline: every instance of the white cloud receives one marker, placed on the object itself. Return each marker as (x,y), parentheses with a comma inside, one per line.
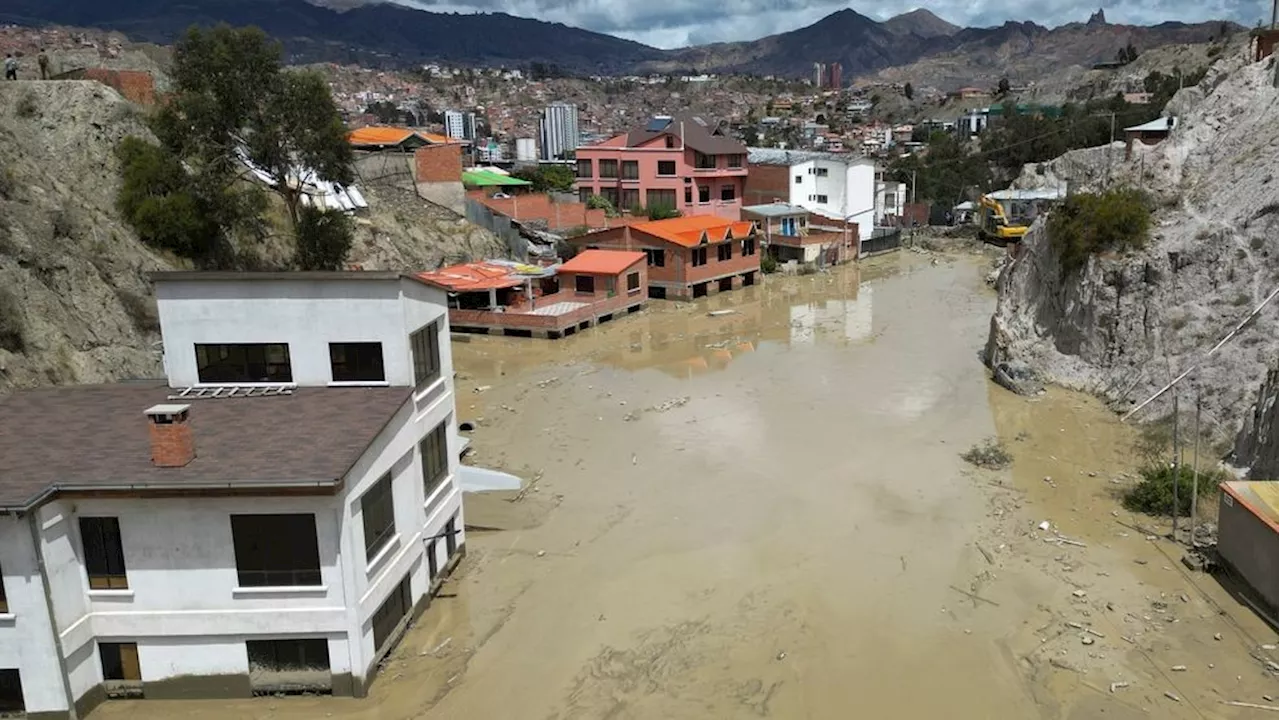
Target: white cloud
(677,23)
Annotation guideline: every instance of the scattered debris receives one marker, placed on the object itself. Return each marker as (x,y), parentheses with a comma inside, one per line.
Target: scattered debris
(985,554)
(782,655)
(1044,525)
(482,388)
(1217,636)
(1062,664)
(1179,668)
(1171,696)
(548,382)
(542,553)
(1236,703)
(1086,640)
(670,404)
(720,313)
(1078,593)
(975,597)
(1118,686)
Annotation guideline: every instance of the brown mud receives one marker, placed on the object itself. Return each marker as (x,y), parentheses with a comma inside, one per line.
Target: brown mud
(764,514)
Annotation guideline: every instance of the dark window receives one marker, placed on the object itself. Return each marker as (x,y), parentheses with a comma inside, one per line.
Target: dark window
(688,195)
(749,246)
(103,553)
(820,172)
(4,601)
(798,179)
(451,535)
(119,661)
(728,192)
(699,256)
(378,511)
(610,194)
(704,193)
(724,251)
(735,161)
(245,362)
(433,563)
(890,200)
(584,194)
(660,199)
(390,613)
(11,692)
(630,169)
(356,361)
(287,655)
(276,550)
(748,279)
(584,168)
(656,258)
(630,199)
(703,162)
(666,167)
(671,142)
(584,284)
(425,343)
(820,198)
(633,281)
(609,169)
(435,458)
(700,290)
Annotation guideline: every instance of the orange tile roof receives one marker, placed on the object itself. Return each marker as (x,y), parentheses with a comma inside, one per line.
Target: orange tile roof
(687,231)
(602,262)
(389,135)
(472,277)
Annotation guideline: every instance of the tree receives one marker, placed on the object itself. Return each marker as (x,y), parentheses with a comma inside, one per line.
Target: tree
(386,112)
(233,101)
(547,178)
(1002,88)
(908,91)
(1130,53)
(324,239)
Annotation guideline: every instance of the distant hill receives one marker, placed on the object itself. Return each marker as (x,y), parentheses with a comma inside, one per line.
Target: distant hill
(383,34)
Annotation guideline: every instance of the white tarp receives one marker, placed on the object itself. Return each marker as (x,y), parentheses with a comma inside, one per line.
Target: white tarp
(315,192)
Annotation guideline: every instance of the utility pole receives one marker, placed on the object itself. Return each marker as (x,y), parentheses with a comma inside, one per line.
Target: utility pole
(913,187)
(1177,466)
(1111,146)
(1195,469)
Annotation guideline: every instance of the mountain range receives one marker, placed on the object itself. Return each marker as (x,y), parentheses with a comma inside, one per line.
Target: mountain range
(387,35)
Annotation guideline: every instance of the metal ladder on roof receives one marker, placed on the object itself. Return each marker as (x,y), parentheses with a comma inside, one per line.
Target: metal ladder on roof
(232,391)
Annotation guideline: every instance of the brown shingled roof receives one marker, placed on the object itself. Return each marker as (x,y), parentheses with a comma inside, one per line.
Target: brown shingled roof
(700,133)
(96,436)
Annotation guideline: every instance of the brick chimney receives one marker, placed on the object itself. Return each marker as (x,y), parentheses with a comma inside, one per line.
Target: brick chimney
(171,442)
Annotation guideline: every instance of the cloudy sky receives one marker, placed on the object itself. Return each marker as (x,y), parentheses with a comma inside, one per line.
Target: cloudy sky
(676,23)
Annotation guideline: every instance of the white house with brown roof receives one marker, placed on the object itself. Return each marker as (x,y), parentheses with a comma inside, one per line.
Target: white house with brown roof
(267,520)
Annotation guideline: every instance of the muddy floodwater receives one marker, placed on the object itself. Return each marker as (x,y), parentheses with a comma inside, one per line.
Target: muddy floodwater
(764,513)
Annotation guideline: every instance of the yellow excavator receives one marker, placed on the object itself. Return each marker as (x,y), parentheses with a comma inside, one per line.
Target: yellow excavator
(993,224)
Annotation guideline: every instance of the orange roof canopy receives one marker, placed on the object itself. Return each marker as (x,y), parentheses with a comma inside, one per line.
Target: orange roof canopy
(602,262)
(473,277)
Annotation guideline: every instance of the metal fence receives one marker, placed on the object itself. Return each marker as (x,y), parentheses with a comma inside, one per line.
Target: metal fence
(881,239)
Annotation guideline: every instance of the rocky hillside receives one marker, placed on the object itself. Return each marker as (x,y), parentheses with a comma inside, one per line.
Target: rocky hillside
(75,302)
(1126,325)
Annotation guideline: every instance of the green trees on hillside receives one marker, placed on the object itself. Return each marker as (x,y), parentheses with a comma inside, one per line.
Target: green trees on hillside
(233,102)
(547,178)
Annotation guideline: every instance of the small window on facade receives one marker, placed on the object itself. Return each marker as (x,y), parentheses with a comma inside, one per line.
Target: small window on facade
(584,194)
(378,513)
(288,655)
(671,142)
(609,169)
(633,282)
(688,195)
(435,458)
(704,193)
(276,550)
(699,256)
(119,662)
(820,172)
(656,257)
(103,553)
(728,192)
(451,535)
(243,363)
(351,362)
(11,692)
(749,246)
(630,169)
(724,251)
(584,284)
(388,615)
(735,161)
(584,168)
(799,179)
(425,343)
(667,167)
(821,198)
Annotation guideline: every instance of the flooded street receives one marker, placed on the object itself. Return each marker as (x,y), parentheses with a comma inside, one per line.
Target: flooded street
(765,514)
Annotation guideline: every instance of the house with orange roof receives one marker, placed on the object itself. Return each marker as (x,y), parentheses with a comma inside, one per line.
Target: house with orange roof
(687,257)
(501,297)
(387,137)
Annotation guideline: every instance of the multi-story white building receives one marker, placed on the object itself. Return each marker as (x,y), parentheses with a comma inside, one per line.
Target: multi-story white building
(558,129)
(836,186)
(460,125)
(269,519)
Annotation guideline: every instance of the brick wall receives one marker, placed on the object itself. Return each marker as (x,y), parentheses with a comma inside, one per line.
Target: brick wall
(172,444)
(438,163)
(135,85)
(766,183)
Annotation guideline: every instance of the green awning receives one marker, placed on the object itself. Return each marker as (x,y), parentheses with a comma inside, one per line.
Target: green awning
(486,178)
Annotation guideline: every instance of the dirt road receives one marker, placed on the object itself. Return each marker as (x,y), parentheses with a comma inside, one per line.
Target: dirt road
(764,514)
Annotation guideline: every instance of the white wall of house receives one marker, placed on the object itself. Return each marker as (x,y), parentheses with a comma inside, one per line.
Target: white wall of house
(847,190)
(26,634)
(861,188)
(307,314)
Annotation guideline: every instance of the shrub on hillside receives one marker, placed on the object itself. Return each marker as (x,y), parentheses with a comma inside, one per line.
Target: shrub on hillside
(662,212)
(156,199)
(1153,495)
(324,239)
(1087,224)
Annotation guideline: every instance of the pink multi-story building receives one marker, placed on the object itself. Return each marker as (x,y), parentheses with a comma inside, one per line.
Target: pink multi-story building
(684,162)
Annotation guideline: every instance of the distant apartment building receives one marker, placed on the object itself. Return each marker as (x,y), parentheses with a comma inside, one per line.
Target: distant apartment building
(268,518)
(460,125)
(819,74)
(835,186)
(558,131)
(686,162)
(828,76)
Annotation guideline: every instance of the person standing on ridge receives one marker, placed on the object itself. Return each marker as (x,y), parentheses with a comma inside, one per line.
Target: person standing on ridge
(10,67)
(43,61)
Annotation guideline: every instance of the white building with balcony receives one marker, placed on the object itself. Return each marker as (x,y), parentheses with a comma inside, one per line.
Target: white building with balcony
(832,185)
(269,519)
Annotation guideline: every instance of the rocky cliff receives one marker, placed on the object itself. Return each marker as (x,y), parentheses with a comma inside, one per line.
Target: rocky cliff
(1127,324)
(75,302)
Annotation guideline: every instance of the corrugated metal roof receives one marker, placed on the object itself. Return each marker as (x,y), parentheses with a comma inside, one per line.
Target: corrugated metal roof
(777,156)
(1260,497)
(779,209)
(1028,194)
(1157,125)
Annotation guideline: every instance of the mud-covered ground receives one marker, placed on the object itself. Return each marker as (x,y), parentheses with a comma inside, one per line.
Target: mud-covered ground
(764,514)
